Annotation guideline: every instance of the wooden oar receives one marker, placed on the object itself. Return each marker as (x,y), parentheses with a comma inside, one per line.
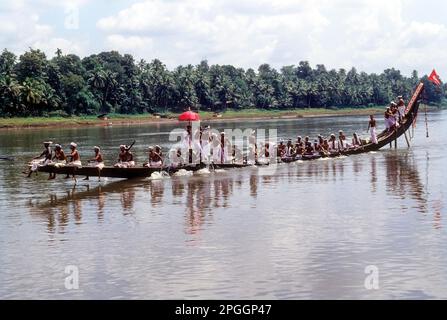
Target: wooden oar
(130,147)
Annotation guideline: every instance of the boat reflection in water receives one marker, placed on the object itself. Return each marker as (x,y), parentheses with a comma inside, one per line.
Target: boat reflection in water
(200,196)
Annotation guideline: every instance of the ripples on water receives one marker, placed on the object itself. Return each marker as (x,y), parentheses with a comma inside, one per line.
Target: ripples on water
(288,231)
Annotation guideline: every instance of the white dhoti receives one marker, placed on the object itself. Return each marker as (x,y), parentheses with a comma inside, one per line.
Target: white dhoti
(96,164)
(373,135)
(39,162)
(58,163)
(76,164)
(206,151)
(401,111)
(125,164)
(155,164)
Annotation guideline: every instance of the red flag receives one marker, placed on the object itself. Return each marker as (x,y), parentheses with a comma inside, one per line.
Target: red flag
(434,77)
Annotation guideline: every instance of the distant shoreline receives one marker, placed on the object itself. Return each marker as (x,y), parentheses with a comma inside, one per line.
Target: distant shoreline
(140,119)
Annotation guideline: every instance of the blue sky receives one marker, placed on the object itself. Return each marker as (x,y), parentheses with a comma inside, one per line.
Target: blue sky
(369,34)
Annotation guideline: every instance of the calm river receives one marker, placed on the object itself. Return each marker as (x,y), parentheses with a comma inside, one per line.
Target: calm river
(290,231)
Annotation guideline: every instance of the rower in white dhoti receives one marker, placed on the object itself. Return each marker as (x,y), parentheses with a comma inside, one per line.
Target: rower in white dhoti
(75,159)
(96,162)
(43,159)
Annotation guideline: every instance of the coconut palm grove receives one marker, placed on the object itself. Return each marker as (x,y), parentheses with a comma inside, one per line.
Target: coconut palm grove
(34,85)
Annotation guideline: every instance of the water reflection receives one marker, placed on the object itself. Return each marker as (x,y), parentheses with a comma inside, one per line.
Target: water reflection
(403,179)
(199,196)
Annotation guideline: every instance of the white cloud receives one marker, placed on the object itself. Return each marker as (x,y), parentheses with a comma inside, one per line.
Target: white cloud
(138,45)
(371,35)
(22,27)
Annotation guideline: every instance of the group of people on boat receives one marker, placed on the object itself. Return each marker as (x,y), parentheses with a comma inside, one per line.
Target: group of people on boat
(394,113)
(319,147)
(57,159)
(204,145)
(393,117)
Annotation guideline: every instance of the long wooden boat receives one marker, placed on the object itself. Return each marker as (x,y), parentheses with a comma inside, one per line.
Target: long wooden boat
(387,137)
(114,172)
(384,138)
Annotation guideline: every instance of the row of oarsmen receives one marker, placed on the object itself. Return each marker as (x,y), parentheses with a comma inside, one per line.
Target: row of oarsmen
(59,158)
(320,146)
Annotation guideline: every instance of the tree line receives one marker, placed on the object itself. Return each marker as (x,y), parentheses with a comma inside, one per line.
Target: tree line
(33,85)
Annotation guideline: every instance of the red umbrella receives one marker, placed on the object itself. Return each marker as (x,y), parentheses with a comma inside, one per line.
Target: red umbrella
(189,116)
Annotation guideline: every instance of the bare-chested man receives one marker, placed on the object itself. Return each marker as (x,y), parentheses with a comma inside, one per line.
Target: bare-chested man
(125,158)
(42,159)
(372,126)
(155,158)
(96,162)
(75,158)
(59,159)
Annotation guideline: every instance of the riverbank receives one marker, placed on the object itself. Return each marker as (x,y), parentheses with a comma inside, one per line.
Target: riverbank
(120,119)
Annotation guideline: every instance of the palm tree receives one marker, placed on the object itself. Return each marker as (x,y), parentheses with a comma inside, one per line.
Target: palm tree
(58,52)
(31,95)
(97,79)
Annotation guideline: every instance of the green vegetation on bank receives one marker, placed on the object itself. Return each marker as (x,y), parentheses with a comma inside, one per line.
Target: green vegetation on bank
(108,82)
(20,122)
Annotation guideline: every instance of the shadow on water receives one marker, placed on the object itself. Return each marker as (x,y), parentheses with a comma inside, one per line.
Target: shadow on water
(200,196)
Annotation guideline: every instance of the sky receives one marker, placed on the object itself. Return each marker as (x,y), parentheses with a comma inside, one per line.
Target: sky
(371,35)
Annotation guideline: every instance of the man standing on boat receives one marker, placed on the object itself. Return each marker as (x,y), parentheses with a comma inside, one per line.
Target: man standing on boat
(188,142)
(372,126)
(206,144)
(225,146)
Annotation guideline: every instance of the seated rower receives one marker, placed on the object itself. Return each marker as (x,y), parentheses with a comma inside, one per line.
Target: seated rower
(75,159)
(299,149)
(356,141)
(289,149)
(333,145)
(281,152)
(320,140)
(309,149)
(125,159)
(265,153)
(59,160)
(306,140)
(317,146)
(324,149)
(175,157)
(155,159)
(43,159)
(341,141)
(96,162)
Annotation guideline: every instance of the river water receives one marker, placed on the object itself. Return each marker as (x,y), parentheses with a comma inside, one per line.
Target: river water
(291,231)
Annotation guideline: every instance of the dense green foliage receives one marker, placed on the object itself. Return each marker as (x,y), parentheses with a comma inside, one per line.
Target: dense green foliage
(32,85)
